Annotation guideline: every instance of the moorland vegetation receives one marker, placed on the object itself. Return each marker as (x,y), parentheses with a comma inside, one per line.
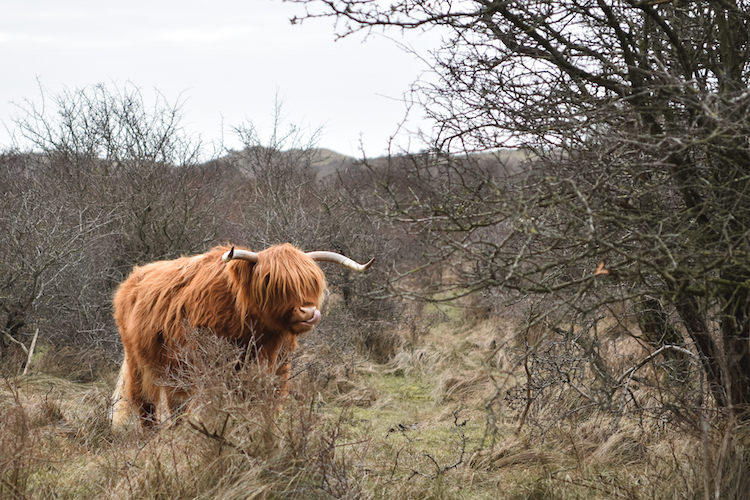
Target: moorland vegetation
(559,309)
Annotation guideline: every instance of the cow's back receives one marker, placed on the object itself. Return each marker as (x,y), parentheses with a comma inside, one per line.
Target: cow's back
(157,301)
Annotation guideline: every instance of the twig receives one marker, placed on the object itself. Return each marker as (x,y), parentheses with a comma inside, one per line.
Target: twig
(527,369)
(441,470)
(528,391)
(629,373)
(17,342)
(201,428)
(13,489)
(395,463)
(459,428)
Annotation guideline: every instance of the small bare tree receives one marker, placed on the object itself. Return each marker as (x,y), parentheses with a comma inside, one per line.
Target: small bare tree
(279,200)
(109,148)
(101,181)
(634,118)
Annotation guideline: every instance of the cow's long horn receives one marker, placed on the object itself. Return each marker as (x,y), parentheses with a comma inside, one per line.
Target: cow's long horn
(339,259)
(240,254)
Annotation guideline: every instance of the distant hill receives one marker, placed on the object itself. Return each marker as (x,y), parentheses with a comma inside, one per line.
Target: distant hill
(325,162)
(329,162)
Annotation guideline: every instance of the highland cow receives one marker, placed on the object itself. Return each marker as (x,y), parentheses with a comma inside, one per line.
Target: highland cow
(262,301)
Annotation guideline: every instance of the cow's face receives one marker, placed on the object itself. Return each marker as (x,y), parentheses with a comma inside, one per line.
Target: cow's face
(288,286)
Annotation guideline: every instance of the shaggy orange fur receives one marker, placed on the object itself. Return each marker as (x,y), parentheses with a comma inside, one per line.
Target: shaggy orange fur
(265,305)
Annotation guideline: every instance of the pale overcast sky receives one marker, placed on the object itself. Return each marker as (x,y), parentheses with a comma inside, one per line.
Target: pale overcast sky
(227,59)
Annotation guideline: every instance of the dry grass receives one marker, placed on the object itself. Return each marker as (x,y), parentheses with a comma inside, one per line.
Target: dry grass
(419,426)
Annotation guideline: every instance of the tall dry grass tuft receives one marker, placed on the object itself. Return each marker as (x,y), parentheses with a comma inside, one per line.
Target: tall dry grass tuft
(16,449)
(240,436)
(722,460)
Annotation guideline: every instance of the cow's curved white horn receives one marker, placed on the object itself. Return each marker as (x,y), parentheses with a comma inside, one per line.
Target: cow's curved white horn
(240,254)
(339,259)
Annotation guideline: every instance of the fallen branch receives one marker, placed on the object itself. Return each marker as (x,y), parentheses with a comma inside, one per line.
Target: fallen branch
(31,351)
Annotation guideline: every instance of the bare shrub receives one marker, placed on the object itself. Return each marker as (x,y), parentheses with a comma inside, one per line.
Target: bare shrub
(585,366)
(241,437)
(42,255)
(105,178)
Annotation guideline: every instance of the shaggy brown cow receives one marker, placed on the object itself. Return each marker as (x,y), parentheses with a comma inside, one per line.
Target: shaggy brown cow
(264,299)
